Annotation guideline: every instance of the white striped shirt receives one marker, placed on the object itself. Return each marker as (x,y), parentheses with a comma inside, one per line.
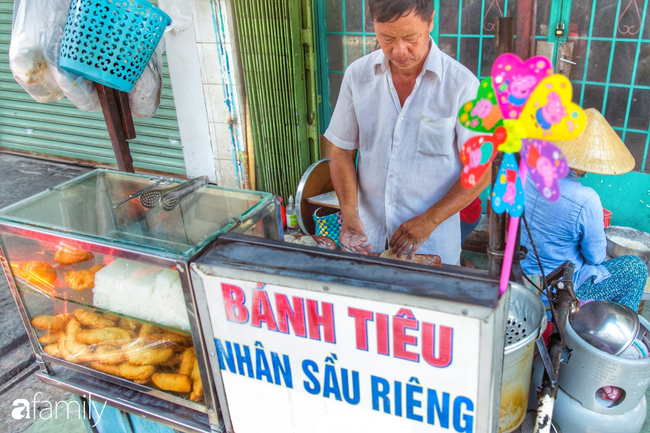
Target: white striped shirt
(409,157)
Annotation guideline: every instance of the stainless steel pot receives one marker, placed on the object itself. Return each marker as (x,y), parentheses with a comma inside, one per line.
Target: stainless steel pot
(526,322)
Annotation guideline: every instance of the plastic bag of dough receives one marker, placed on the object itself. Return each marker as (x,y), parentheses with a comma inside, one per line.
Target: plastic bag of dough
(25,55)
(80,91)
(144,98)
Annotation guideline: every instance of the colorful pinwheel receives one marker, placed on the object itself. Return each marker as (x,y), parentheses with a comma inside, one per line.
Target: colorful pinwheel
(523,104)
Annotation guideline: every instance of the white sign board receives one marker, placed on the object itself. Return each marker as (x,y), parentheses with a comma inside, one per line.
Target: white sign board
(295,360)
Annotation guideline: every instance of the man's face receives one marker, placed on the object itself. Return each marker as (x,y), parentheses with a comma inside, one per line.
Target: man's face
(405,41)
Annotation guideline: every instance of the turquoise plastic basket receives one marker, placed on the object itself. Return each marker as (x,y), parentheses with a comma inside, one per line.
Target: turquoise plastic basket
(110,41)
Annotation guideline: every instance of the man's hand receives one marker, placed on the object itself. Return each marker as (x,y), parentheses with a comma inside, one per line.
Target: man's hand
(411,235)
(353,237)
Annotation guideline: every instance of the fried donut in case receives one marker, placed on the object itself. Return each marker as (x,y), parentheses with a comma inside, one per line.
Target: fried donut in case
(37,272)
(110,355)
(49,338)
(67,255)
(104,335)
(50,323)
(172,382)
(136,372)
(79,352)
(187,362)
(92,320)
(52,350)
(82,280)
(147,356)
(197,385)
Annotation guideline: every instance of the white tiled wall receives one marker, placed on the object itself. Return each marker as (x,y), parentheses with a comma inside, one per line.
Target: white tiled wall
(221,79)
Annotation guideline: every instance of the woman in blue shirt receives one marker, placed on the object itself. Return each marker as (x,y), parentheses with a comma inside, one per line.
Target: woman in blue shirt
(573,229)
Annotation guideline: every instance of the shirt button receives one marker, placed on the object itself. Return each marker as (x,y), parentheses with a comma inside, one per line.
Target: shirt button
(392,90)
(390,203)
(392,176)
(401,117)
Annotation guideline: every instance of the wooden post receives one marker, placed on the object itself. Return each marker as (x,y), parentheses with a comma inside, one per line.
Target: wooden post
(526,14)
(119,122)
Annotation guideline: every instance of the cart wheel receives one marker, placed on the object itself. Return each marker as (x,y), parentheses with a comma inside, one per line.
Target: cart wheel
(316,180)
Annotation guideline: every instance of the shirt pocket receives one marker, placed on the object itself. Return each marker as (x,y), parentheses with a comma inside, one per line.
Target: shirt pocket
(436,136)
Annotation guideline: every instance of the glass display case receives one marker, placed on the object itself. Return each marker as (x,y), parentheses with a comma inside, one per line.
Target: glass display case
(101,278)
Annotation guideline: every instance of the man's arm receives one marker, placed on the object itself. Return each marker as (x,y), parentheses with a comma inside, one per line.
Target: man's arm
(414,232)
(344,179)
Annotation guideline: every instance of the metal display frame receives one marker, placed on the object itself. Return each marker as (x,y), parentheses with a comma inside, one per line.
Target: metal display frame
(492,317)
(50,374)
(166,408)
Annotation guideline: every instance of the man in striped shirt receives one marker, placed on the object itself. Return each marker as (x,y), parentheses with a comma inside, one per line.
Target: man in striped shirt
(398,108)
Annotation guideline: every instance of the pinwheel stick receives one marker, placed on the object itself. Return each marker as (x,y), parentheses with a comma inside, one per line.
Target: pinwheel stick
(512,238)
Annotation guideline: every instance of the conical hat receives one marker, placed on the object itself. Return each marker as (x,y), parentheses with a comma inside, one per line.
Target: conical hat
(598,149)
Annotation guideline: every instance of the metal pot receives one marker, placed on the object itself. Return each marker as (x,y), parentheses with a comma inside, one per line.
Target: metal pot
(616,250)
(526,322)
(605,325)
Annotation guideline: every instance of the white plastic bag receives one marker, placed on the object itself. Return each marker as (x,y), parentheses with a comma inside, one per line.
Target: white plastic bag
(25,55)
(80,91)
(144,98)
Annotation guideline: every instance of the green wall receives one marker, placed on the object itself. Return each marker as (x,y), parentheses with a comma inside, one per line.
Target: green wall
(626,195)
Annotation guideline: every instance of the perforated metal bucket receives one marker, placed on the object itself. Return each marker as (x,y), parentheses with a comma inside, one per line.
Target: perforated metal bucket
(526,322)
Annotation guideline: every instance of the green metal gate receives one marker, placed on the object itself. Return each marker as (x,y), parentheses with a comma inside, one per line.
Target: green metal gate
(60,130)
(608,40)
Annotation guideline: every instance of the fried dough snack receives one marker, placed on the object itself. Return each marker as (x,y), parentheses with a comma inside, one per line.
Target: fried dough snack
(69,256)
(37,271)
(112,335)
(92,320)
(136,372)
(139,352)
(105,368)
(78,352)
(82,280)
(197,385)
(109,355)
(49,338)
(172,382)
(50,323)
(168,339)
(128,324)
(115,318)
(127,371)
(147,356)
(187,362)
(173,361)
(52,350)
(60,345)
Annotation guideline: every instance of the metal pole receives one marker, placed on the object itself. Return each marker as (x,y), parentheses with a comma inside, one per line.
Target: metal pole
(561,280)
(497,223)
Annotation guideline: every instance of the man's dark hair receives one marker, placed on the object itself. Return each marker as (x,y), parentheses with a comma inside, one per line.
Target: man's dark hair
(385,11)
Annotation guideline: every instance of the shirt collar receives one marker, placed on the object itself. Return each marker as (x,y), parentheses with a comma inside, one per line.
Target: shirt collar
(433,62)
